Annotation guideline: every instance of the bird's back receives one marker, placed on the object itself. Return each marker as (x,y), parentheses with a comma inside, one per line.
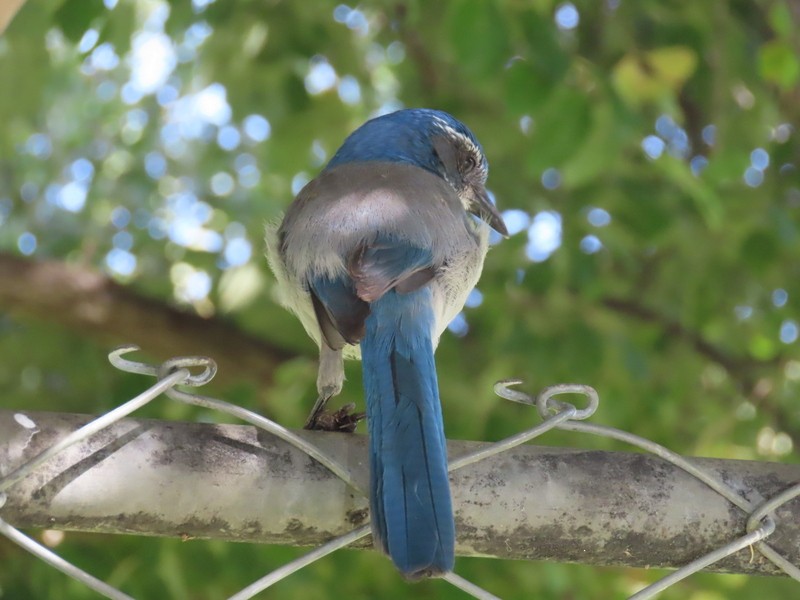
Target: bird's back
(356,205)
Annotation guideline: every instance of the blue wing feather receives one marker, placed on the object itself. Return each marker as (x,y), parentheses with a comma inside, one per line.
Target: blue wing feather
(342,303)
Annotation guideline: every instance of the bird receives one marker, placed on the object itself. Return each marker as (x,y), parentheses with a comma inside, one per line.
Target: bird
(376,256)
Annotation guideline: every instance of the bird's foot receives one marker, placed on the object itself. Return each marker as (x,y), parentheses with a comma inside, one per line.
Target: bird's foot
(344,419)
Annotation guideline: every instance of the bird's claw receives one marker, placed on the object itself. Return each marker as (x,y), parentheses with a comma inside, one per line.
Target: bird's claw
(344,420)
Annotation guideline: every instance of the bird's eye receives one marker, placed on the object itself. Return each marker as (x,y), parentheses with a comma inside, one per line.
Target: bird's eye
(470,162)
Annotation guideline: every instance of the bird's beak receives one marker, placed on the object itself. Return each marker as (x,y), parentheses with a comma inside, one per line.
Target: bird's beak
(482,207)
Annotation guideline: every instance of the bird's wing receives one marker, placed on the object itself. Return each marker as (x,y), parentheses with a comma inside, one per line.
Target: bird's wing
(382,264)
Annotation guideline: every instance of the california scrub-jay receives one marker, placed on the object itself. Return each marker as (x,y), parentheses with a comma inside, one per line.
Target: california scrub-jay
(376,256)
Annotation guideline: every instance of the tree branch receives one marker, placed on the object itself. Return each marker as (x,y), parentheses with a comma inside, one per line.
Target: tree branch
(234,482)
(740,369)
(422,59)
(93,305)
(737,367)
(8,9)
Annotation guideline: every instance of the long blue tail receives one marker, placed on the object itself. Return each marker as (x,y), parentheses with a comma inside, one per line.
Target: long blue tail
(412,516)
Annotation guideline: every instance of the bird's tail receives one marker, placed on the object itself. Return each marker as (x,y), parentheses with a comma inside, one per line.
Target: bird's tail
(412,516)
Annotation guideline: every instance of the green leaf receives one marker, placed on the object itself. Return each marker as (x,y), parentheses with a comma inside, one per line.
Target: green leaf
(648,218)
(559,128)
(525,86)
(759,250)
(583,350)
(74,17)
(726,165)
(780,19)
(544,51)
(763,347)
(778,63)
(479,35)
(24,68)
(118,31)
(539,278)
(706,201)
(650,76)
(603,146)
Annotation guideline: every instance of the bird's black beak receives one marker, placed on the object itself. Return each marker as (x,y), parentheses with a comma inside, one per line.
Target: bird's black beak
(482,207)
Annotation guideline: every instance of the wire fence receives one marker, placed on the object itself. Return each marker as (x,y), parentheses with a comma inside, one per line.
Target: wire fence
(760,514)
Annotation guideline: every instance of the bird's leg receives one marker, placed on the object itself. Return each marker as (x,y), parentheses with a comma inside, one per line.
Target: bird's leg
(316,411)
(330,379)
(344,419)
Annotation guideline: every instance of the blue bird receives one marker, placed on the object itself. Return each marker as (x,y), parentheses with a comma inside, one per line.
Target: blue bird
(376,256)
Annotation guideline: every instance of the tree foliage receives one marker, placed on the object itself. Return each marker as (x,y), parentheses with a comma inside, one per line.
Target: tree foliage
(646,153)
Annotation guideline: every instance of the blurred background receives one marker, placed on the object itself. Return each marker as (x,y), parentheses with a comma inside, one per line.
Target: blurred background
(644,155)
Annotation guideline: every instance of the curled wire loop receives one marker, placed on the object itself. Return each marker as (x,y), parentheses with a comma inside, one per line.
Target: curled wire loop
(545,402)
(209,366)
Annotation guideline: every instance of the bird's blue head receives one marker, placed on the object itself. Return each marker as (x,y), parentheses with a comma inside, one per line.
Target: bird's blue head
(432,140)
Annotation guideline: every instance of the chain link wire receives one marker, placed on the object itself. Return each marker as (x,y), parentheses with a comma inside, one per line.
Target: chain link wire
(555,414)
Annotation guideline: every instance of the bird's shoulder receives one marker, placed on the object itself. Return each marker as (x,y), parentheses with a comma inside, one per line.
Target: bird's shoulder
(366,178)
(375,193)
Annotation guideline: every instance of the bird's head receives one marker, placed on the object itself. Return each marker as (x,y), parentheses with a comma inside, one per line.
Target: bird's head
(434,141)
